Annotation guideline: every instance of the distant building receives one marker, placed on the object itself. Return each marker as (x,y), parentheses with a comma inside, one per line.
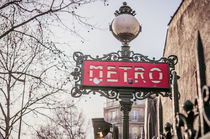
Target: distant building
(113,115)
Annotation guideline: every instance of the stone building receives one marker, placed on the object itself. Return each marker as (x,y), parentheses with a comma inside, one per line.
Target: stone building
(189,23)
(113,115)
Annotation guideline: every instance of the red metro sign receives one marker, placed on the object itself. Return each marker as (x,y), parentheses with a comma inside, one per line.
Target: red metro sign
(125,74)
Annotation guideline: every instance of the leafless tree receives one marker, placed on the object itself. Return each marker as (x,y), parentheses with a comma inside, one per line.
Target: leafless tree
(33,70)
(67,123)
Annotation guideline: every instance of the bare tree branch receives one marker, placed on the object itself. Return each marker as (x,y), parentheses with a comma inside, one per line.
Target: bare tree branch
(9,3)
(51,10)
(34,71)
(3,112)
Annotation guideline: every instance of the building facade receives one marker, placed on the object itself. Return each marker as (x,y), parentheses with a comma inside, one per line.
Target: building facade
(113,115)
(192,17)
(188,28)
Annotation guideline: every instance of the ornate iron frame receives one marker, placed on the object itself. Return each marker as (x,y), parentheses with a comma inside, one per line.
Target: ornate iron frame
(113,93)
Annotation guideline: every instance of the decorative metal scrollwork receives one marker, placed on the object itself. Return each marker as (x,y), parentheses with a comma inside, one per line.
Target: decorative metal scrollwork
(77,91)
(203,106)
(79,57)
(167,128)
(140,95)
(76,74)
(200,110)
(187,120)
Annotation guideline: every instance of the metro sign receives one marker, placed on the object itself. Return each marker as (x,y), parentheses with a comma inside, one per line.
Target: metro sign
(117,74)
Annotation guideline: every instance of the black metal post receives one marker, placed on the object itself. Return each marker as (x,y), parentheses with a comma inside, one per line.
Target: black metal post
(175,101)
(125,96)
(115,133)
(201,66)
(201,78)
(125,53)
(160,117)
(126,104)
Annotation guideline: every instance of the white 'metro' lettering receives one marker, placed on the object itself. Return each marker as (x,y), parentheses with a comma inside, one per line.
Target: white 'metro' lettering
(100,72)
(139,74)
(160,75)
(110,72)
(139,71)
(125,72)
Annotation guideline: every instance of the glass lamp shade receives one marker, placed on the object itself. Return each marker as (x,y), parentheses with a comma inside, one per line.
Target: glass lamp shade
(125,27)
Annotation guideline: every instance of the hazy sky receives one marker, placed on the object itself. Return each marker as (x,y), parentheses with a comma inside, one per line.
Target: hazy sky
(153,15)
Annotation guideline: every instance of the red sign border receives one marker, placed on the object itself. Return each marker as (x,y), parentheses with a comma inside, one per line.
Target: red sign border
(124,87)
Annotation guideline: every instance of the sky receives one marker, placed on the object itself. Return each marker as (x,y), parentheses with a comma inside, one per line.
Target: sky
(153,16)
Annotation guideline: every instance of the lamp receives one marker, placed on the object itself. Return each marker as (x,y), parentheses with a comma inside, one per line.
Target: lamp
(125,27)
(102,128)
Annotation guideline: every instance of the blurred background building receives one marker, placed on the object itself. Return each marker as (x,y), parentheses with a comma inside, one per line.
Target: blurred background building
(113,115)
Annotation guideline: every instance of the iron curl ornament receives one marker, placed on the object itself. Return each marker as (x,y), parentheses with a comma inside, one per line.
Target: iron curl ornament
(113,92)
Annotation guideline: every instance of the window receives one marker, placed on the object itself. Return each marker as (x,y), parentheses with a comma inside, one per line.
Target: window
(135,134)
(134,115)
(113,115)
